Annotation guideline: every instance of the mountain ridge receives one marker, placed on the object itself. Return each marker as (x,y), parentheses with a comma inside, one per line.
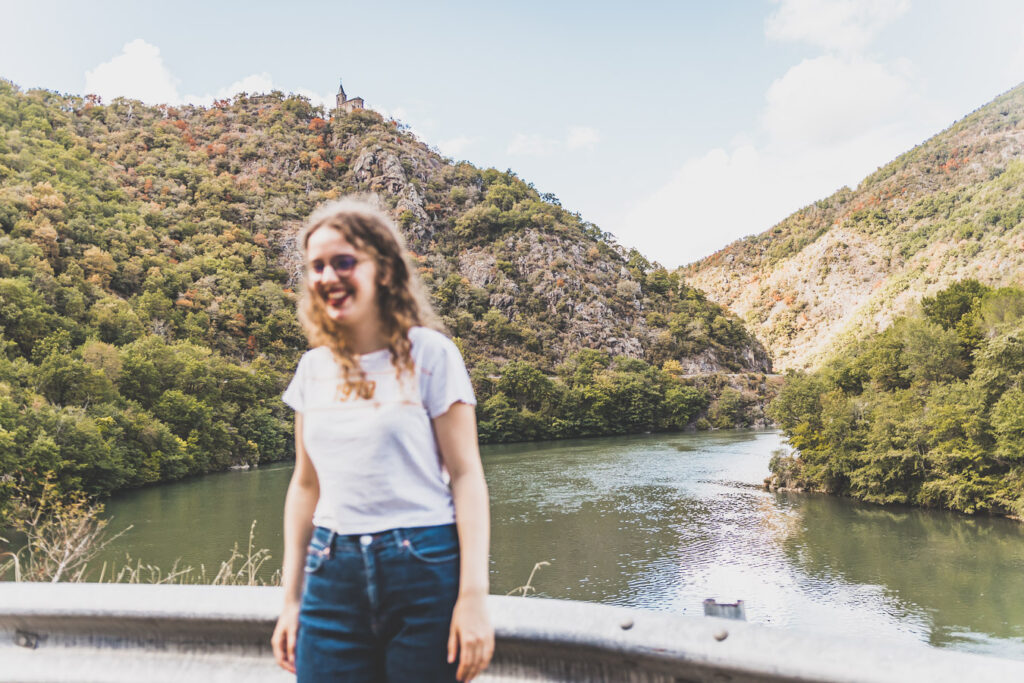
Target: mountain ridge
(148,270)
(848,264)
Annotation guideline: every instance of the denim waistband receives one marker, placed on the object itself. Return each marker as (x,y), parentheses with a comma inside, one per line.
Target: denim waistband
(332,540)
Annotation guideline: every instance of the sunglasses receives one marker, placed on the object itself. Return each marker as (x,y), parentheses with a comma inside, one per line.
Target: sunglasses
(342,264)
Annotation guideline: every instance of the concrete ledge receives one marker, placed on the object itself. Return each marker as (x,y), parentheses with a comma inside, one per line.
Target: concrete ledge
(103,632)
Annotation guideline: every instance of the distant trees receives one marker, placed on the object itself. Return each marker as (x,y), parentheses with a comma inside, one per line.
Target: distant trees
(927,412)
(593,394)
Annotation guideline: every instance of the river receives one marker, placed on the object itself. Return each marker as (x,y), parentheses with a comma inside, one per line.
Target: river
(662,522)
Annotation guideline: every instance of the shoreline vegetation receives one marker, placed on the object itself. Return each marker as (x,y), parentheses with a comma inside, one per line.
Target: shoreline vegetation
(771,487)
(928,412)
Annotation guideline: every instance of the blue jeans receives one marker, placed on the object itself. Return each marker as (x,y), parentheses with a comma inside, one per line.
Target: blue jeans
(378,607)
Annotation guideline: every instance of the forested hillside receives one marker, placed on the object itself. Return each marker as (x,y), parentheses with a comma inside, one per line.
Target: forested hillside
(846,266)
(147,277)
(928,412)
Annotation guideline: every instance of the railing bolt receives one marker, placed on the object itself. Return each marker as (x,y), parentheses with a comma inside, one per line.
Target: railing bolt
(721,635)
(626,624)
(26,639)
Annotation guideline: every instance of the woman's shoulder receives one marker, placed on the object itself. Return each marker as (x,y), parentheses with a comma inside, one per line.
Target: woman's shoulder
(316,356)
(428,343)
(427,336)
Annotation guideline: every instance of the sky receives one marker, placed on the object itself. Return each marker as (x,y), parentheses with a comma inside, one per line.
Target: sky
(677,126)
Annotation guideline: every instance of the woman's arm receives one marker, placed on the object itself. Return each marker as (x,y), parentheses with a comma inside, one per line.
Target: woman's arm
(303,493)
(472,637)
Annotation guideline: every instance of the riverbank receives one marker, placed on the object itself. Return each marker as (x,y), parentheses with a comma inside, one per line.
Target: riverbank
(775,488)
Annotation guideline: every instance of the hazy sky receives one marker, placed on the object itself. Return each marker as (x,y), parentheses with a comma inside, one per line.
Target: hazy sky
(676,126)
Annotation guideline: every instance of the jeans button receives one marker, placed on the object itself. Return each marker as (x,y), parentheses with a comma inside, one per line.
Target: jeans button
(366,539)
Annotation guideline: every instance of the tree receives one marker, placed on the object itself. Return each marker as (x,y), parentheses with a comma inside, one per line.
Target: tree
(681,406)
(582,366)
(65,380)
(1008,426)
(526,385)
(24,317)
(947,307)
(729,410)
(115,321)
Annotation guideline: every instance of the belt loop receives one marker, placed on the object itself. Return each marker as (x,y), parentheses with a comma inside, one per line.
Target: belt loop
(399,537)
(330,543)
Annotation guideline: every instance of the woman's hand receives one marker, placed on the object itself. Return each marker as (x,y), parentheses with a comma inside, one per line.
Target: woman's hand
(283,640)
(471,638)
(299,503)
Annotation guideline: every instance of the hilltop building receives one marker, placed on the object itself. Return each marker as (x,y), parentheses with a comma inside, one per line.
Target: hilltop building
(346,105)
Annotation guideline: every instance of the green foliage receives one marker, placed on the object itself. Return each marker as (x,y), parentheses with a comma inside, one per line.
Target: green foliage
(1008,426)
(996,310)
(147,269)
(594,394)
(905,418)
(949,306)
(729,410)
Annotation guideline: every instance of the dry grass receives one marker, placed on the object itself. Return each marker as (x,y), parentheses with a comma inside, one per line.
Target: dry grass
(528,587)
(237,570)
(63,536)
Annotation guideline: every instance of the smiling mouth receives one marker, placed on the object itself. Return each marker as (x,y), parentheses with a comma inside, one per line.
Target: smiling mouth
(337,297)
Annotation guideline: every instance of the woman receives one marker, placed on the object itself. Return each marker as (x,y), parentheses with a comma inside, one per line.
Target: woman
(386,518)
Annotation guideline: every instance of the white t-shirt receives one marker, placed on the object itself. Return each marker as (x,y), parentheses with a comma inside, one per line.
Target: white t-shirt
(376,459)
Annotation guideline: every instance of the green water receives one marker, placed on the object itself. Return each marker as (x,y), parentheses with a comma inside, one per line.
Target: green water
(662,522)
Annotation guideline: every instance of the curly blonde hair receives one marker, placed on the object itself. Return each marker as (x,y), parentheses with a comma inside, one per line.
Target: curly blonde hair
(401,298)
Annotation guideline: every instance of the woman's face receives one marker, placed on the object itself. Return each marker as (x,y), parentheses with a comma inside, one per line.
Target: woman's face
(342,277)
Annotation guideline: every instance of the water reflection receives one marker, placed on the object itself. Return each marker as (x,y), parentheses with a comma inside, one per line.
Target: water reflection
(964,573)
(663,522)
(198,521)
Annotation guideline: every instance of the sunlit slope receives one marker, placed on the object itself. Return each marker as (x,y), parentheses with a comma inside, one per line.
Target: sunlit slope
(948,209)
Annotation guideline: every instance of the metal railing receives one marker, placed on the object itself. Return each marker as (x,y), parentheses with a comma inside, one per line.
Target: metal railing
(154,633)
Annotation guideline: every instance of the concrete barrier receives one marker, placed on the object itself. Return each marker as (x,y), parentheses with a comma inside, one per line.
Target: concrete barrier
(103,632)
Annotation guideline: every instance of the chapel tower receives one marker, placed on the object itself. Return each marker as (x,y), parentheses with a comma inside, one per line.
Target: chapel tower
(346,105)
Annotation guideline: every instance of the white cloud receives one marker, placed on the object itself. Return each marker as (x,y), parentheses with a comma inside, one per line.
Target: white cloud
(706,204)
(1013,67)
(455,147)
(259,83)
(827,122)
(398,113)
(138,72)
(327,101)
(727,194)
(846,25)
(253,83)
(536,145)
(531,144)
(582,137)
(829,99)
